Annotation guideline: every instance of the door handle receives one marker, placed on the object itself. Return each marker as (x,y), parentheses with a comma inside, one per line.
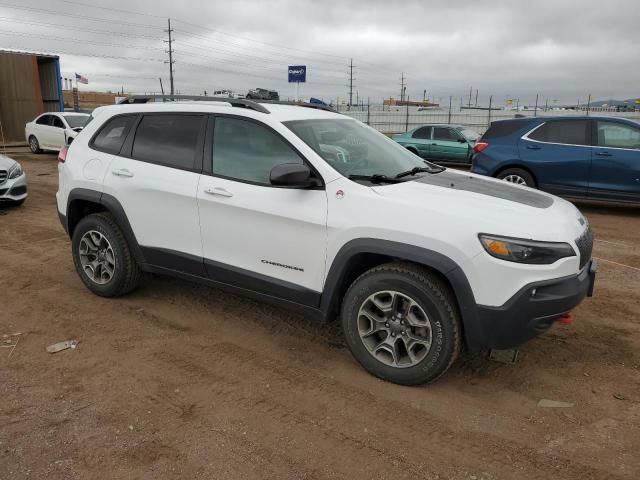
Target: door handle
(533,147)
(221,192)
(123,172)
(603,154)
(434,144)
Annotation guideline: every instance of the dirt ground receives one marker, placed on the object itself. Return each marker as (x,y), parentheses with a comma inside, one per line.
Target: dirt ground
(182,381)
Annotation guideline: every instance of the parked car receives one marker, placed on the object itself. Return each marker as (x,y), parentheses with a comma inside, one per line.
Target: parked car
(440,143)
(314,210)
(52,131)
(228,93)
(13,182)
(262,94)
(576,157)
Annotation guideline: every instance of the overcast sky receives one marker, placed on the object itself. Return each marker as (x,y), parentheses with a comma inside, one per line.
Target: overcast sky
(562,49)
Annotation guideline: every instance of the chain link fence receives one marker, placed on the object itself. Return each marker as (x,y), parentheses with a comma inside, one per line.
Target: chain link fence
(399,119)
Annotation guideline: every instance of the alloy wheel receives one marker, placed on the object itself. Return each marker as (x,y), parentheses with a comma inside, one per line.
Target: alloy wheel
(97,257)
(517,179)
(394,329)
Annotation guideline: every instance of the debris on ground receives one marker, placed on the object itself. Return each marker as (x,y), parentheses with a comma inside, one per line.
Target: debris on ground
(58,347)
(544,403)
(10,341)
(504,356)
(618,396)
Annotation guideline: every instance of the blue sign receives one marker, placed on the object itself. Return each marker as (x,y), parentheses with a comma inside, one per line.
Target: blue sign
(297,73)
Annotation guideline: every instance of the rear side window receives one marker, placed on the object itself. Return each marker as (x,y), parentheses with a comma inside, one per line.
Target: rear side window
(169,140)
(618,135)
(571,132)
(56,122)
(43,120)
(504,128)
(423,133)
(113,133)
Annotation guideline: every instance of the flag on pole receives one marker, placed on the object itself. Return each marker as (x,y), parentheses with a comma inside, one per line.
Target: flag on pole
(81,79)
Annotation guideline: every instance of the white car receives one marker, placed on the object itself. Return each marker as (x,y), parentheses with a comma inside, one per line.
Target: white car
(13,182)
(53,130)
(311,209)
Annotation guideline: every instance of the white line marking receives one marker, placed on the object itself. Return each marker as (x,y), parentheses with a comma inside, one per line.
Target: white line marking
(616,263)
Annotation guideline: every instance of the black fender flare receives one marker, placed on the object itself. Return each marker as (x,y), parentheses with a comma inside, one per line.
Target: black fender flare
(422,256)
(113,206)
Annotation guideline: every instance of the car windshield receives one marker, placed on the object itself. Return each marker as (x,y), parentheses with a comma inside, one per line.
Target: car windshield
(353,148)
(76,121)
(470,135)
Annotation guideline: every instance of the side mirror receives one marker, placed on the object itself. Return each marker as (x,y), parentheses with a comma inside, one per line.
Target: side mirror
(462,140)
(292,175)
(69,140)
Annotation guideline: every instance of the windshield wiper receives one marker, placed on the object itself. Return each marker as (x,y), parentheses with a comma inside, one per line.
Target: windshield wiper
(416,170)
(375,178)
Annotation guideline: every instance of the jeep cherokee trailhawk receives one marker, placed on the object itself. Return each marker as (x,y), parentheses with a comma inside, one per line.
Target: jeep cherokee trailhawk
(308,208)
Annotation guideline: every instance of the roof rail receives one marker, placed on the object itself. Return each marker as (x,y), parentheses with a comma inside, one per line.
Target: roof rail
(317,106)
(235,102)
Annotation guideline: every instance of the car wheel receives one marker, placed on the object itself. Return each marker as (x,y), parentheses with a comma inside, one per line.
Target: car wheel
(34,145)
(401,323)
(517,176)
(102,256)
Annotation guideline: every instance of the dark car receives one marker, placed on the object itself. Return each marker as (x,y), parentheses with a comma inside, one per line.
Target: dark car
(576,157)
(262,94)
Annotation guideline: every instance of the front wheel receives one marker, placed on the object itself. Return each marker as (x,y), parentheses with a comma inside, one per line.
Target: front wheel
(401,323)
(517,176)
(34,145)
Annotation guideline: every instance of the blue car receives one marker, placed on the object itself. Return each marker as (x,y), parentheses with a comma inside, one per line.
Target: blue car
(575,157)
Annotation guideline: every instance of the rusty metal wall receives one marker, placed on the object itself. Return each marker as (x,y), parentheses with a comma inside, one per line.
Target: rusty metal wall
(28,87)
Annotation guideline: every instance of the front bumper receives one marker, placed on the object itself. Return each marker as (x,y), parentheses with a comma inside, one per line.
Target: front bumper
(533,309)
(14,190)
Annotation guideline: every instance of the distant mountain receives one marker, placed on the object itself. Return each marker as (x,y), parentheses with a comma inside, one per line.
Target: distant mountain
(614,103)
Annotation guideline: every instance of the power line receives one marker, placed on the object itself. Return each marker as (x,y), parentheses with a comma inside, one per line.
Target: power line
(49,37)
(59,26)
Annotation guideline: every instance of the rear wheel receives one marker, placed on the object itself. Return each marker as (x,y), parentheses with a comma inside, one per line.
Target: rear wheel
(102,256)
(34,145)
(517,176)
(401,323)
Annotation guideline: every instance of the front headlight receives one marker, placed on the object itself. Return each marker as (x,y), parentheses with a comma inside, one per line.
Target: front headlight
(15,171)
(525,251)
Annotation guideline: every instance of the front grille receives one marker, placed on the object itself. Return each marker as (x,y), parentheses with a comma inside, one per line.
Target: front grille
(585,245)
(3,176)
(3,191)
(17,191)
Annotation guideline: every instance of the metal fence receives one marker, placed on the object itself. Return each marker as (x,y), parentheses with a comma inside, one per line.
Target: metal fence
(398,119)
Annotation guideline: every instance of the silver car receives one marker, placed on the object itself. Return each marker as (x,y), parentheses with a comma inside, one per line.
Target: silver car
(13,182)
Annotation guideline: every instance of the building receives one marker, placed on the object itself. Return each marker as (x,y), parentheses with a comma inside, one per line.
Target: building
(87,101)
(30,84)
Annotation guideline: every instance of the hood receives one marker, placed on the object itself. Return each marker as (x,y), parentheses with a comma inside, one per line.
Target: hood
(6,163)
(487,205)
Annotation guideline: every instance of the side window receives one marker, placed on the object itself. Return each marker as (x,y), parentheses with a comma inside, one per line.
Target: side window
(423,133)
(56,122)
(43,120)
(247,151)
(445,134)
(571,132)
(617,135)
(112,134)
(169,140)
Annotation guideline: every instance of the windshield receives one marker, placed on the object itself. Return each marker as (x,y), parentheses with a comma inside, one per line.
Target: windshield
(470,135)
(76,121)
(353,148)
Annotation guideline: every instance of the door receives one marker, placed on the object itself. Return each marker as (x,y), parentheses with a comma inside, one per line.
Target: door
(558,152)
(56,132)
(447,145)
(615,168)
(155,179)
(41,130)
(421,140)
(262,238)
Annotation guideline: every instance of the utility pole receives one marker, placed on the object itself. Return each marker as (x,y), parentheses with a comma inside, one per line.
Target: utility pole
(470,93)
(476,97)
(424,95)
(169,30)
(403,86)
(350,83)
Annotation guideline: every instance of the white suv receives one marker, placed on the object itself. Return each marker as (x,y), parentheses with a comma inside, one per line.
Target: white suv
(311,209)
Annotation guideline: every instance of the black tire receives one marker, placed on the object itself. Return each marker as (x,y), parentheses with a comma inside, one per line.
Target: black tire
(126,276)
(432,295)
(34,145)
(528,179)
